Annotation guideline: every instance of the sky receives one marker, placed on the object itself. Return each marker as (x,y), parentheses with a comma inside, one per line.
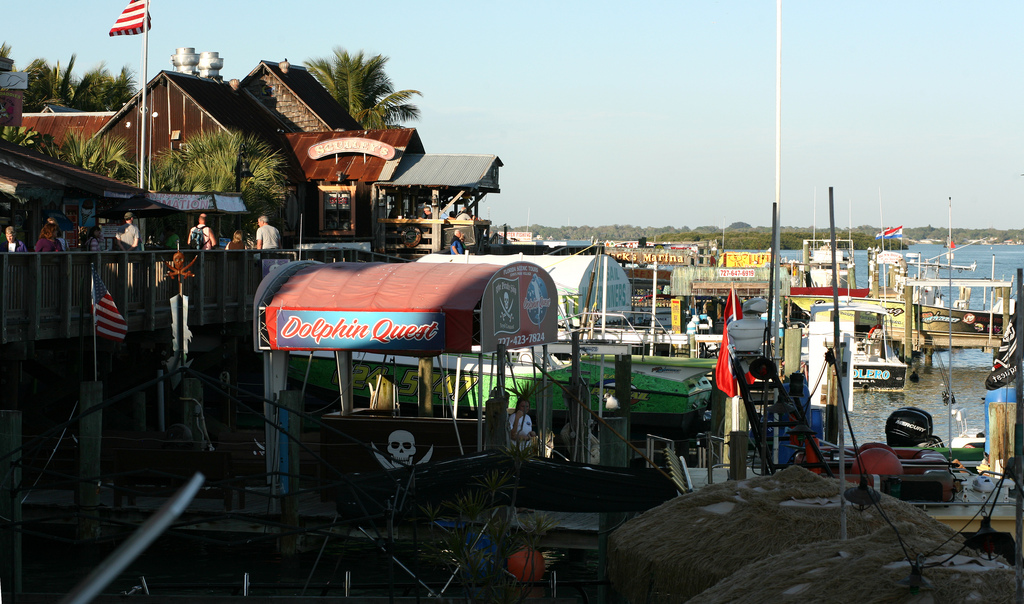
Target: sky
(654,114)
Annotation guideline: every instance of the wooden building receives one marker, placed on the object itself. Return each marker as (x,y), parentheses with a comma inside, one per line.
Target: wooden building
(344,184)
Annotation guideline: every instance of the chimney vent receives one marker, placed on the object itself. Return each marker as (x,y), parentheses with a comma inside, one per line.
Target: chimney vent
(210,65)
(185,60)
(284,65)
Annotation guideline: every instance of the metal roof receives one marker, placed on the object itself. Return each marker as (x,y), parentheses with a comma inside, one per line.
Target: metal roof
(352,166)
(61,174)
(478,172)
(59,124)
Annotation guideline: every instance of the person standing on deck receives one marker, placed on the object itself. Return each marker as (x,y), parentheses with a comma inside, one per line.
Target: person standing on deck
(267,235)
(520,425)
(128,238)
(458,246)
(203,234)
(12,244)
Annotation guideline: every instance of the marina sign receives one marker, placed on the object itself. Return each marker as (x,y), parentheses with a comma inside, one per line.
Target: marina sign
(651,255)
(295,329)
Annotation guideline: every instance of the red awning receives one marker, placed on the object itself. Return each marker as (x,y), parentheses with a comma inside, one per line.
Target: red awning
(452,289)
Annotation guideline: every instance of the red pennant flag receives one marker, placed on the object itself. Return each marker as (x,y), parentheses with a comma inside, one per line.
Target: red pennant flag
(724,378)
(131,19)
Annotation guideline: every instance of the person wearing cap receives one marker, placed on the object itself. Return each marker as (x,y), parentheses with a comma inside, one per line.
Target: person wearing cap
(128,238)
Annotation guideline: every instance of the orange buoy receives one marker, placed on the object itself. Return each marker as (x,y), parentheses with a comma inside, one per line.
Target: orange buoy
(527,564)
(877,461)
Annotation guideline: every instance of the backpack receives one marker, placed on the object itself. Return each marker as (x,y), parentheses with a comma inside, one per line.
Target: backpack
(197,238)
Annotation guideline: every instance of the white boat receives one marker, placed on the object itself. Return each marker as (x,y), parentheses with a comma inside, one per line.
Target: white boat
(868,353)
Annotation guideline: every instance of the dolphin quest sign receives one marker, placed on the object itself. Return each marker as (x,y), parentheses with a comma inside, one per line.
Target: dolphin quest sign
(358,330)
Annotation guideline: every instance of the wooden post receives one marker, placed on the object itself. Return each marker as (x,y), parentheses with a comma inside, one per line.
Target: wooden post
(737,455)
(191,404)
(832,415)
(291,418)
(791,350)
(89,437)
(10,502)
(908,323)
(139,411)
(425,387)
(496,431)
(615,453)
(343,364)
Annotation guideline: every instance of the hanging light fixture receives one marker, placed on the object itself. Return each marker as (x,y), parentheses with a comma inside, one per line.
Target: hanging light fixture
(915,581)
(862,495)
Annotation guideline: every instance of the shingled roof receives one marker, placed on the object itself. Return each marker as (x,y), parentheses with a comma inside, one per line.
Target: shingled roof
(304,90)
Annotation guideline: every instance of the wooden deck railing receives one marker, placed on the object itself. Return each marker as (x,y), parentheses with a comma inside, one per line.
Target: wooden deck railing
(46,296)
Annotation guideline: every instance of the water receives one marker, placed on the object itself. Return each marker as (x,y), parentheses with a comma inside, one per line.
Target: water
(965,369)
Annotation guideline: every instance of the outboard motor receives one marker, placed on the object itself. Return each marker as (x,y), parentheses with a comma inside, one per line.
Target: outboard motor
(909,427)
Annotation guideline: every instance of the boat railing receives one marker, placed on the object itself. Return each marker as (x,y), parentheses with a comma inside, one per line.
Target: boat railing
(595,322)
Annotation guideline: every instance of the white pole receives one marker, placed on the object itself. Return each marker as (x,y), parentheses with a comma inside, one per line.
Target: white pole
(776,318)
(144,116)
(654,303)
(604,293)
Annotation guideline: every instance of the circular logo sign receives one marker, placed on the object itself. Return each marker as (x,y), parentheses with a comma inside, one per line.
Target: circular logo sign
(537,300)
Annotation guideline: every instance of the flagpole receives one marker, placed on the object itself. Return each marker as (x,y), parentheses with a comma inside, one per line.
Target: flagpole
(95,354)
(145,114)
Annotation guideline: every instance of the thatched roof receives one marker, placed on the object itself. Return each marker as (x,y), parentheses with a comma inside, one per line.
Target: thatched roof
(685,546)
(867,570)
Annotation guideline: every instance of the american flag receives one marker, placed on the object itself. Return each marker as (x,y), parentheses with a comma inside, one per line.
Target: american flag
(130,21)
(109,323)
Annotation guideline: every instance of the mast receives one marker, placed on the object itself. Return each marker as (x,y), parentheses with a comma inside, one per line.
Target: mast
(144,113)
(776,318)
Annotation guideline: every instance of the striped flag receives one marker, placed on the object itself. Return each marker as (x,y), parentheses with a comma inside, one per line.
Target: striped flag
(724,377)
(130,21)
(893,233)
(109,323)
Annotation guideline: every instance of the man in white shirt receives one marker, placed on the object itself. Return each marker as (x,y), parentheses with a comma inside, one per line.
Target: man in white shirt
(128,238)
(267,236)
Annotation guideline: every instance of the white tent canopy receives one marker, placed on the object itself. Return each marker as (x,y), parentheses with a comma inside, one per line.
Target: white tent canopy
(579,279)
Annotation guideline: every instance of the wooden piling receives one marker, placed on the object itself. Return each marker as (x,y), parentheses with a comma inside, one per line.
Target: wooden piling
(425,387)
(191,408)
(291,405)
(90,428)
(139,411)
(623,390)
(615,453)
(10,502)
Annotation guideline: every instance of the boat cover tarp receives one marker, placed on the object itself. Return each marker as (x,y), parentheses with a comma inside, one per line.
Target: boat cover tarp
(544,484)
(573,275)
(452,289)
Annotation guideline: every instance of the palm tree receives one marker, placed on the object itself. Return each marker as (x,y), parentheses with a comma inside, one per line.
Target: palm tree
(363,88)
(5,51)
(209,163)
(27,137)
(96,90)
(107,156)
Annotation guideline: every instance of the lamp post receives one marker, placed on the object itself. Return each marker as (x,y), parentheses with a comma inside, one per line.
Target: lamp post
(241,169)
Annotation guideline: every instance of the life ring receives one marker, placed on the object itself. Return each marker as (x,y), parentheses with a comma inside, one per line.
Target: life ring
(877,329)
(411,237)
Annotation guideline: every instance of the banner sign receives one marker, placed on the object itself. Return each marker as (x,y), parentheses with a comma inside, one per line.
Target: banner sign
(10,108)
(746,259)
(518,308)
(650,255)
(295,329)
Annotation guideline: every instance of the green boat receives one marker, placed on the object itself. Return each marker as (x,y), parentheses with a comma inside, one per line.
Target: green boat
(669,395)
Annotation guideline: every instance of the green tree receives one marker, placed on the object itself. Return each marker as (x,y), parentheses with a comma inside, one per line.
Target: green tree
(5,51)
(96,90)
(107,156)
(26,137)
(364,89)
(209,163)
